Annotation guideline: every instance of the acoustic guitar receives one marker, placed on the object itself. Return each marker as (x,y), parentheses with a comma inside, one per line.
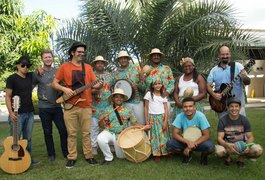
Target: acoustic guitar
(225,90)
(15,159)
(78,91)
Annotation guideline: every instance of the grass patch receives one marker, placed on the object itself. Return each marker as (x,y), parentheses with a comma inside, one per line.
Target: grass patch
(149,169)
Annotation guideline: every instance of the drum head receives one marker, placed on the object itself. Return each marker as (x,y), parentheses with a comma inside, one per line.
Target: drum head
(125,86)
(130,137)
(192,133)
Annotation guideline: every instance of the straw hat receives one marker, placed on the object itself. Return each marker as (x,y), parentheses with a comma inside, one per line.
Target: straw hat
(118,91)
(155,51)
(99,58)
(123,54)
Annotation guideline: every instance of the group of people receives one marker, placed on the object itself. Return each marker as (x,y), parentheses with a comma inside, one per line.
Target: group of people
(95,99)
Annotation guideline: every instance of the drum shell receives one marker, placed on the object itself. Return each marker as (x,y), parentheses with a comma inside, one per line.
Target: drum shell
(140,150)
(126,86)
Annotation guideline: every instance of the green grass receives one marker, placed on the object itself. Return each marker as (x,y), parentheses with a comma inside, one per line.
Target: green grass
(149,169)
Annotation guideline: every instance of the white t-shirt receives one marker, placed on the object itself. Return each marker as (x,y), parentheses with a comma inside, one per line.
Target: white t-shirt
(156,105)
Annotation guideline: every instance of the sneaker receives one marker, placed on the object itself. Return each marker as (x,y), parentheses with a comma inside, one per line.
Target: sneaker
(105,162)
(34,162)
(92,161)
(187,159)
(70,164)
(240,164)
(94,150)
(51,158)
(204,159)
(252,159)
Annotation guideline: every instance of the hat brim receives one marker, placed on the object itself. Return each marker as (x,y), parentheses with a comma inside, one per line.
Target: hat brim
(106,62)
(161,54)
(123,56)
(125,97)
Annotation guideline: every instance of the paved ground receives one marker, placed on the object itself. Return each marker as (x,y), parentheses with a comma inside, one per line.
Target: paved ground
(252,103)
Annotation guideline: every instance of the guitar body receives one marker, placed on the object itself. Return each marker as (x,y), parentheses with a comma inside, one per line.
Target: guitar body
(17,159)
(220,106)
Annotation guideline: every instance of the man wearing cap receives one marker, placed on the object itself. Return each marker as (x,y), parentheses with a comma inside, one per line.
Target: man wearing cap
(49,110)
(184,121)
(131,72)
(99,97)
(76,74)
(222,74)
(114,120)
(234,127)
(20,84)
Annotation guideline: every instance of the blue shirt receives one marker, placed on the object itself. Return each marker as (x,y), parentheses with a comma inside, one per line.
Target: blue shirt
(220,75)
(199,120)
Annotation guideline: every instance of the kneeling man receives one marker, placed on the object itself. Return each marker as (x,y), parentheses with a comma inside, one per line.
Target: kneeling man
(232,128)
(115,119)
(190,117)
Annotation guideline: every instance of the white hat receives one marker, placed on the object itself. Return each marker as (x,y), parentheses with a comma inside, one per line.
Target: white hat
(99,58)
(123,54)
(118,91)
(155,51)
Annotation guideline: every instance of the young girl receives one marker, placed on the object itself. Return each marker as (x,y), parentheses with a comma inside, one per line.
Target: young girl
(156,114)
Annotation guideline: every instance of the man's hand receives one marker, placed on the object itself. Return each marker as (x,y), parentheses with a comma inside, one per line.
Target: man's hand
(68,92)
(217,96)
(243,73)
(186,151)
(40,70)
(98,85)
(231,148)
(13,117)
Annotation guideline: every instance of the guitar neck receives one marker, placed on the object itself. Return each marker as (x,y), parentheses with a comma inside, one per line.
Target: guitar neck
(81,89)
(15,131)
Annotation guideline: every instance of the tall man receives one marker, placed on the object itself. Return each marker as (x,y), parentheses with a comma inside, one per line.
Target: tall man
(222,74)
(189,118)
(76,74)
(49,110)
(131,72)
(20,84)
(232,128)
(99,97)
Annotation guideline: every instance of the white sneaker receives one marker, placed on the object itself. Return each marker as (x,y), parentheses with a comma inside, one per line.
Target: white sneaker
(94,150)
(252,159)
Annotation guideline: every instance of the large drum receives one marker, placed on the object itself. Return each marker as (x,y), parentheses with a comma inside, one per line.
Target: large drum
(126,86)
(135,144)
(192,133)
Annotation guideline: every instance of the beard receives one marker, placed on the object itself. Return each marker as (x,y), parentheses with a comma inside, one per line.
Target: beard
(225,61)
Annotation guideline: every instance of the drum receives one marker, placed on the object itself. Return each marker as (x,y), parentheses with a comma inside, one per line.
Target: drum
(126,86)
(135,144)
(192,133)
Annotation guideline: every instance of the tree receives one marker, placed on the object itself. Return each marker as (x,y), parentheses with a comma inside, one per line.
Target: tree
(22,34)
(179,28)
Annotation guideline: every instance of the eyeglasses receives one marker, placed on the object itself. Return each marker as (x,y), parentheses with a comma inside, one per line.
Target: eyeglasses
(24,65)
(81,52)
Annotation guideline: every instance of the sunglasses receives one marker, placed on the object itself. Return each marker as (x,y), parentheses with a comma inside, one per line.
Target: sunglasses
(24,65)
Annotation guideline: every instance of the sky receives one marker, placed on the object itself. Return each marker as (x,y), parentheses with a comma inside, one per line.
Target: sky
(249,12)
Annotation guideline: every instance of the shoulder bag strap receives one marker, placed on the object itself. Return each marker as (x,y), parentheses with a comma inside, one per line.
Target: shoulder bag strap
(118,115)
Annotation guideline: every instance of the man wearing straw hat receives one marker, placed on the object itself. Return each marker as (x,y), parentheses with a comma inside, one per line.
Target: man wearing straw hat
(99,97)
(198,126)
(233,128)
(114,120)
(76,74)
(131,72)
(159,70)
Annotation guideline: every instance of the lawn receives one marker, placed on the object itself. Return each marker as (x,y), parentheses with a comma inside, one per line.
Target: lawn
(167,168)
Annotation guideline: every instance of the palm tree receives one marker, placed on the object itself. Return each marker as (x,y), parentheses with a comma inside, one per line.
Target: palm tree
(179,28)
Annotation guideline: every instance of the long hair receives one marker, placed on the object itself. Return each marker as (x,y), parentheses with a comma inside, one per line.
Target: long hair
(152,89)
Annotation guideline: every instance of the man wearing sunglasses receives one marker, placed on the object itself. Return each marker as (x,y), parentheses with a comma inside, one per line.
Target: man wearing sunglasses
(20,84)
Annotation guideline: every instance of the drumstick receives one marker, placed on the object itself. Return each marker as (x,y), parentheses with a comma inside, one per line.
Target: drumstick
(110,112)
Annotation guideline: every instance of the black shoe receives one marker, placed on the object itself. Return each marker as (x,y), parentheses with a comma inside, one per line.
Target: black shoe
(34,162)
(70,164)
(92,161)
(187,159)
(228,161)
(105,162)
(52,157)
(204,160)
(240,164)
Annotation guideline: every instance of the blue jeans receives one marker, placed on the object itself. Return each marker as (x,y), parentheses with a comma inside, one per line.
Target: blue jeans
(47,115)
(25,127)
(175,146)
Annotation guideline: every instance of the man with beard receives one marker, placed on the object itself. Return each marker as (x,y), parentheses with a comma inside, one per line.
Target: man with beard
(222,74)
(49,110)
(76,74)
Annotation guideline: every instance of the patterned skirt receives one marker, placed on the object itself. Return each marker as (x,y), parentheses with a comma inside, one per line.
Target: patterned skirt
(158,137)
